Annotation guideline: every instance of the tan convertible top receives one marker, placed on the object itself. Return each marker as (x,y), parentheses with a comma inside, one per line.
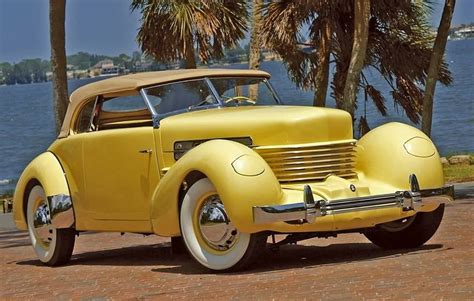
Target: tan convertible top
(123,85)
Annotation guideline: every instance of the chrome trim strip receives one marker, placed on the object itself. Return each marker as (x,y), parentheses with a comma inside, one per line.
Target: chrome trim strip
(61,211)
(91,121)
(275,94)
(309,210)
(154,114)
(214,91)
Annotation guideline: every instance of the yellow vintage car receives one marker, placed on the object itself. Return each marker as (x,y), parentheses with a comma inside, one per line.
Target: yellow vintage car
(213,159)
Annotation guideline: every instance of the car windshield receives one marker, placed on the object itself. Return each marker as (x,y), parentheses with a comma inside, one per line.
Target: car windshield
(181,96)
(169,99)
(244,91)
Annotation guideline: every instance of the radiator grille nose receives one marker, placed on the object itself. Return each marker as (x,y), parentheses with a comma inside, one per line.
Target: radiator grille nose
(310,162)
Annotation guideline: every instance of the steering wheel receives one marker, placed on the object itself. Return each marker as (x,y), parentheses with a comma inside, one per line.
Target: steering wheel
(240,99)
(208,100)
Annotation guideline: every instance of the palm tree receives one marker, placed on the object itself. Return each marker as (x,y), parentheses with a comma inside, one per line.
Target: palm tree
(435,64)
(322,75)
(398,47)
(255,43)
(171,29)
(57,15)
(359,47)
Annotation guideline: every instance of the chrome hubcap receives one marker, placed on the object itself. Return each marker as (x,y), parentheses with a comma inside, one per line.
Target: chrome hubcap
(214,224)
(42,224)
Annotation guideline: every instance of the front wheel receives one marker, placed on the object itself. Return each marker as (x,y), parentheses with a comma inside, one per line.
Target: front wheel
(209,235)
(407,233)
(52,246)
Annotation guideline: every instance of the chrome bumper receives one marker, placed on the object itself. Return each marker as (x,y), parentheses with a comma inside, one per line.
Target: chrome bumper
(310,209)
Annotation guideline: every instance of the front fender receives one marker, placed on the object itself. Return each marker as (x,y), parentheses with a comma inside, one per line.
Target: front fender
(389,154)
(46,170)
(241,177)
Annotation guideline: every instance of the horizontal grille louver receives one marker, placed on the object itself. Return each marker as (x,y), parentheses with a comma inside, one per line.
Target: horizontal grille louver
(310,162)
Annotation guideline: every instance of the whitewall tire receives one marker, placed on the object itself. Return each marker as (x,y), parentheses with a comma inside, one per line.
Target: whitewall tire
(209,235)
(52,246)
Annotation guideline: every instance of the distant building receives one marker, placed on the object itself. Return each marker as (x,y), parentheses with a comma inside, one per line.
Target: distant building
(105,68)
(109,69)
(463,33)
(466,32)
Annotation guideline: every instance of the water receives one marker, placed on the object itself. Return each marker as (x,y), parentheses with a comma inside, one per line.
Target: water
(27,124)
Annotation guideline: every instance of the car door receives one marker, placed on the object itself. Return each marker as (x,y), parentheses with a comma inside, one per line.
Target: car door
(121,169)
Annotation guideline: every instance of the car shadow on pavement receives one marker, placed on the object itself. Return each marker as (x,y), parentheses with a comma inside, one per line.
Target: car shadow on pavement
(140,255)
(301,256)
(288,257)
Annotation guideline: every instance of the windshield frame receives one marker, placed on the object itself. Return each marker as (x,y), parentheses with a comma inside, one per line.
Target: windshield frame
(156,117)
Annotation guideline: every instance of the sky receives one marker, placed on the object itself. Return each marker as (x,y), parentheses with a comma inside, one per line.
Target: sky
(100,26)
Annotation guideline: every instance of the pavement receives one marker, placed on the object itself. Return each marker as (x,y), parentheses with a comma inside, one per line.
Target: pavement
(6,222)
(113,266)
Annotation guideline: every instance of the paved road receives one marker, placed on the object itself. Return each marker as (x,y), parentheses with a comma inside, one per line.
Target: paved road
(108,265)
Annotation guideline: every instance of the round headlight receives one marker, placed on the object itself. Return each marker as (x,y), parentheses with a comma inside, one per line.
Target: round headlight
(419,147)
(247,165)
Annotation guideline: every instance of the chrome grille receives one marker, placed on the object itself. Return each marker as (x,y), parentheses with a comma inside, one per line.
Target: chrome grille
(310,162)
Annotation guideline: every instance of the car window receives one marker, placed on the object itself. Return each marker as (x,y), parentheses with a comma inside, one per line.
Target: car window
(83,123)
(124,104)
(121,112)
(244,91)
(181,96)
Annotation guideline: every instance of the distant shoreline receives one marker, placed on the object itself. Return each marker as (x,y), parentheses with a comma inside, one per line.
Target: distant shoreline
(104,76)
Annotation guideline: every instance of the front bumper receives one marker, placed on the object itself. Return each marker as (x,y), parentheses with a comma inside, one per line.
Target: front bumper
(309,210)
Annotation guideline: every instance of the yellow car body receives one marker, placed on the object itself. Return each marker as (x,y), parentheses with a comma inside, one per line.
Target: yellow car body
(132,179)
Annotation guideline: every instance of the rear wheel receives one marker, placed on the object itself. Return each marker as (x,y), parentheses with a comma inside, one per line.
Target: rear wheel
(407,233)
(52,246)
(209,235)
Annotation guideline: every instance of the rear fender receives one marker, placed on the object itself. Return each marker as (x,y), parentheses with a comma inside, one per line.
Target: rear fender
(46,171)
(241,177)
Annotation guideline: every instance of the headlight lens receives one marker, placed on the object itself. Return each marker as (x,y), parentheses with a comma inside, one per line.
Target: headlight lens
(419,147)
(247,165)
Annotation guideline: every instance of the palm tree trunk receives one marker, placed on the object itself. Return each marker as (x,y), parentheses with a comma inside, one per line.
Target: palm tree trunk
(190,58)
(255,44)
(57,15)
(435,63)
(323,71)
(359,47)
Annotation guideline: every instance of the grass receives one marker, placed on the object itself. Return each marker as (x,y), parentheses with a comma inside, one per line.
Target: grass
(459,173)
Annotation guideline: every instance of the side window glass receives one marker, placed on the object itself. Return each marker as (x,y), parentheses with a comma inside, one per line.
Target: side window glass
(124,104)
(122,112)
(83,122)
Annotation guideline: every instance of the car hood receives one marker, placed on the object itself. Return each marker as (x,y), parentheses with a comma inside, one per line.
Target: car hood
(265,125)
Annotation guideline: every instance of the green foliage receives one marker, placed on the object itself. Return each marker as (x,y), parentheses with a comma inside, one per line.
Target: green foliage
(459,173)
(25,72)
(399,46)
(34,70)
(172,30)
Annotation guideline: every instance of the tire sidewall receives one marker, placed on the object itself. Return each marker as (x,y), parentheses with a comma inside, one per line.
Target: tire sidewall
(44,253)
(227,259)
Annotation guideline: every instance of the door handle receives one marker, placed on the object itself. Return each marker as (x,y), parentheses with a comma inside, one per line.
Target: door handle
(145,151)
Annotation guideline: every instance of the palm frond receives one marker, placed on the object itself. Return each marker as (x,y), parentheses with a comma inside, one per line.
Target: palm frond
(169,27)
